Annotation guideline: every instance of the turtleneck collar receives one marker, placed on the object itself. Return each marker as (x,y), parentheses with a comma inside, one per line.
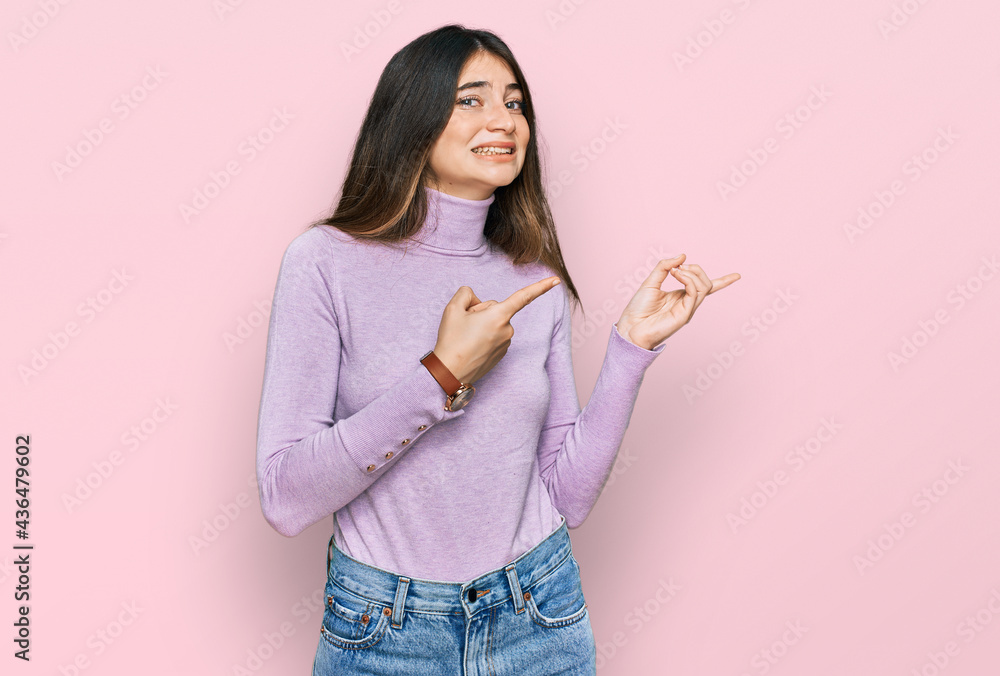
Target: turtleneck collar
(454,224)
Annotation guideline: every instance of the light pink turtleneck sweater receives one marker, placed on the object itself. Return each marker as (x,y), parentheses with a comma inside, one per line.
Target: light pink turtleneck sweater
(352,425)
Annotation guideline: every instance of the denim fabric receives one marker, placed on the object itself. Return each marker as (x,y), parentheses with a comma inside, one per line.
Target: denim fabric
(528,617)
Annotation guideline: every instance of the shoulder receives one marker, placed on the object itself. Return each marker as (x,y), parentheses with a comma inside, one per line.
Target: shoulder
(308,261)
(310,245)
(332,243)
(322,246)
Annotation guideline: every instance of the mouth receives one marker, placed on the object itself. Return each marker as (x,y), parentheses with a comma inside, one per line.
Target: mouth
(495,151)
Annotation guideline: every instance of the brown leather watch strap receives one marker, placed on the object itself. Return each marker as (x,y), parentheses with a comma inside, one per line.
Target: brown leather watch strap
(448,382)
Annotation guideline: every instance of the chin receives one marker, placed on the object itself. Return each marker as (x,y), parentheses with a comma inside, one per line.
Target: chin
(498,179)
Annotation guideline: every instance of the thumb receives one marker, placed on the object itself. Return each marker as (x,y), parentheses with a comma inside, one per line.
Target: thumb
(464,298)
(660,271)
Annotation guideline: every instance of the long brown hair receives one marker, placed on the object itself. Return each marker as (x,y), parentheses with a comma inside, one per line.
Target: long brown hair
(382,197)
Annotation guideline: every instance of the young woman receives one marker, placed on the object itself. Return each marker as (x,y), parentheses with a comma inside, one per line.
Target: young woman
(442,431)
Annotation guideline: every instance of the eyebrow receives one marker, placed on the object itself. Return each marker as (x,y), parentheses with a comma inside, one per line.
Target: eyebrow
(513,86)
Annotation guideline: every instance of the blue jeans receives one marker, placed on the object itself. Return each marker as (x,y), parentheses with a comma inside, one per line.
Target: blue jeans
(528,617)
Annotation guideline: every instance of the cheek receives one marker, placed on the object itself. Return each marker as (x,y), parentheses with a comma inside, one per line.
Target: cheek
(447,150)
(452,139)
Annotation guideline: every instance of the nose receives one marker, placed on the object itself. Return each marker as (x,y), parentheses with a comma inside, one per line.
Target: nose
(501,119)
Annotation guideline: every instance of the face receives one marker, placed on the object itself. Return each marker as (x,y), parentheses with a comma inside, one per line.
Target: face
(488,110)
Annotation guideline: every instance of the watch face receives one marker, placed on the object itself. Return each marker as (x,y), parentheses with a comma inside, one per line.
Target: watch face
(462,398)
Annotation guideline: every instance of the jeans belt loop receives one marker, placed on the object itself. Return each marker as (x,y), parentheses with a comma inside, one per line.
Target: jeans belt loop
(515,588)
(397,605)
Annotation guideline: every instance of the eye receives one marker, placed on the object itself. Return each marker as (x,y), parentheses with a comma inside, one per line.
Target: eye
(467,101)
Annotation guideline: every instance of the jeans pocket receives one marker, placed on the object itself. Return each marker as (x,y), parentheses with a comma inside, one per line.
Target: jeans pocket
(352,622)
(557,599)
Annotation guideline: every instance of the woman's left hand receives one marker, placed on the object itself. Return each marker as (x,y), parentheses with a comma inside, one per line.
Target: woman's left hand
(654,315)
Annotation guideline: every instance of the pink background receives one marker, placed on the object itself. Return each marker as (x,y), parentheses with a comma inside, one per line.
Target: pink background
(865,554)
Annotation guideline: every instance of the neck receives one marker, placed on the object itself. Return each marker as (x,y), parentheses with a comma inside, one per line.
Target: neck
(454,223)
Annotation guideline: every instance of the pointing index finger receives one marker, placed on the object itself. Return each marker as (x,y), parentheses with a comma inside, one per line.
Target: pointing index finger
(519,299)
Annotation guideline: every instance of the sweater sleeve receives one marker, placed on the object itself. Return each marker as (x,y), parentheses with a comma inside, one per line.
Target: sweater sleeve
(577,448)
(309,463)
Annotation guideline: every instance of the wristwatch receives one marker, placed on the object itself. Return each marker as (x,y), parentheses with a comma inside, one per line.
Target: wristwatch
(459,394)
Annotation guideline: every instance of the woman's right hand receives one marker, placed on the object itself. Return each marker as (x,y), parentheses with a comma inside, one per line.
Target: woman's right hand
(474,335)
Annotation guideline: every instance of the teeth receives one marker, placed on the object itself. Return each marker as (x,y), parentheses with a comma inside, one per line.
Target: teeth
(493,151)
